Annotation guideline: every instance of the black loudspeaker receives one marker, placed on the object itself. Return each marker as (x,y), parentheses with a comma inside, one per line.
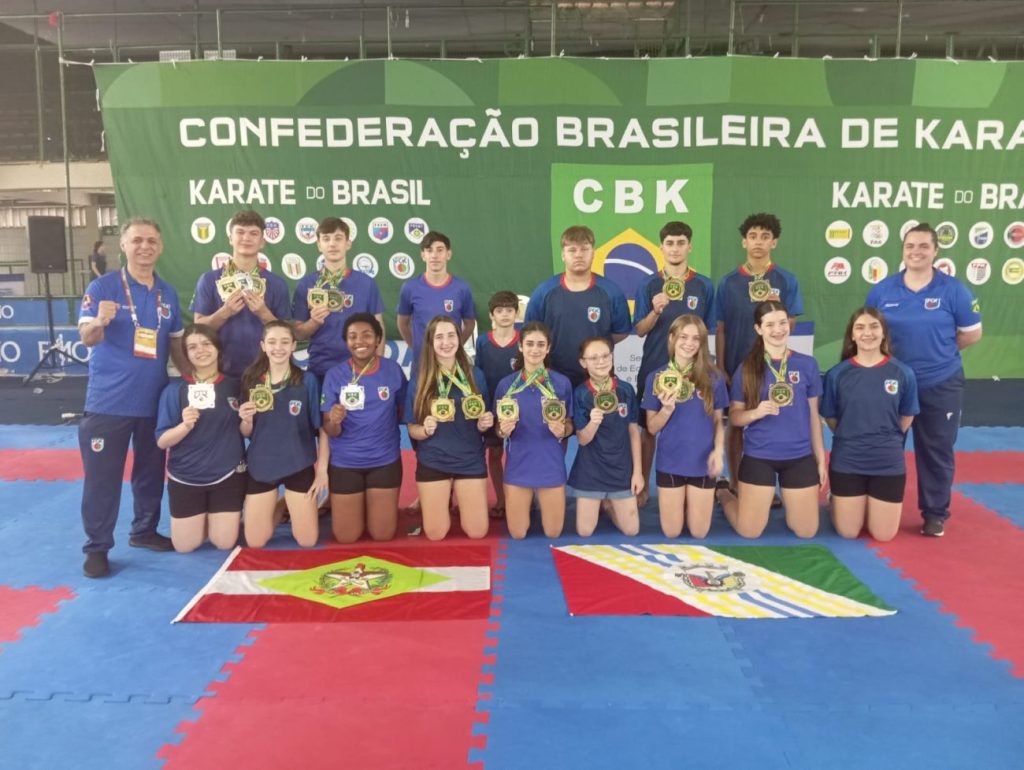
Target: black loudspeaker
(47,249)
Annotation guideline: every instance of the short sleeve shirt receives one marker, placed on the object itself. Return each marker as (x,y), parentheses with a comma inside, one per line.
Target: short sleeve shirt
(688,438)
(214,448)
(422,301)
(535,458)
(369,436)
(606,463)
(284,439)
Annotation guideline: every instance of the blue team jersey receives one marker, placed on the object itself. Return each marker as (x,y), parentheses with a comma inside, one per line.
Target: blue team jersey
(733,307)
(369,436)
(867,403)
(923,324)
(121,383)
(241,334)
(697,300)
(688,438)
(457,446)
(606,463)
(535,458)
(600,310)
(496,361)
(214,448)
(787,435)
(284,439)
(327,346)
(422,301)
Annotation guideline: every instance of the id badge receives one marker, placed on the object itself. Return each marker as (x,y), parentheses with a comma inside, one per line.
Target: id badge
(201,395)
(145,342)
(352,397)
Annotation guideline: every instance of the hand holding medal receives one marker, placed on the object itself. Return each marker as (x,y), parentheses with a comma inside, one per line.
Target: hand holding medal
(336,415)
(189,417)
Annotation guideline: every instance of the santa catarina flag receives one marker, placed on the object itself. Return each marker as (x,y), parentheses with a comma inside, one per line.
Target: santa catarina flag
(356,583)
(800,581)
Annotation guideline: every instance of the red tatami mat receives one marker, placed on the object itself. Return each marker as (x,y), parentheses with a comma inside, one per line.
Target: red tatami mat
(22,607)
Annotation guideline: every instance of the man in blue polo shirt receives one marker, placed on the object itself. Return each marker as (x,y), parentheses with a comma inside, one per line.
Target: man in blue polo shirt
(931,317)
(677,290)
(578,304)
(436,292)
(739,292)
(240,298)
(132,322)
(341,292)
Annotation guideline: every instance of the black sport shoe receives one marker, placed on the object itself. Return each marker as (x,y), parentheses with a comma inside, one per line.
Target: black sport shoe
(154,542)
(96,565)
(933,528)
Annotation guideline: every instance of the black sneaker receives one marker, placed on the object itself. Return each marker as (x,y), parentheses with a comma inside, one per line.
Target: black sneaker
(154,542)
(96,565)
(933,528)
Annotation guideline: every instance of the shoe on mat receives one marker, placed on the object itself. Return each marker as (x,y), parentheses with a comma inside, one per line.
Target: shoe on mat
(96,565)
(933,528)
(154,542)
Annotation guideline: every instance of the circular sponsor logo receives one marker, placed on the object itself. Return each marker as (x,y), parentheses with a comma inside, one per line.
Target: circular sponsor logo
(981,235)
(305,230)
(1014,235)
(1013,270)
(293,266)
(273,230)
(905,228)
(837,270)
(946,266)
(947,234)
(401,266)
(874,269)
(365,263)
(979,271)
(220,259)
(415,229)
(876,233)
(381,230)
(203,230)
(838,234)
(264,262)
(353,231)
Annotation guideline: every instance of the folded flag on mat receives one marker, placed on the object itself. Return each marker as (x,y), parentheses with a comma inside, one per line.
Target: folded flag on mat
(800,581)
(346,584)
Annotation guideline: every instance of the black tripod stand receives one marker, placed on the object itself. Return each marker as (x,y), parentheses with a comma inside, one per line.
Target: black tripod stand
(56,355)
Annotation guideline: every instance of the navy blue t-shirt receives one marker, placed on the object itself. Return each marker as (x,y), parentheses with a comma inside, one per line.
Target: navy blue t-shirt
(535,458)
(606,463)
(496,361)
(688,438)
(214,448)
(572,316)
(369,436)
(283,440)
(457,446)
(867,403)
(422,301)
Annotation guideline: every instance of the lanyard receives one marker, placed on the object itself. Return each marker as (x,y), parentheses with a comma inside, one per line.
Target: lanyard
(685,277)
(758,276)
(445,380)
(232,268)
(607,386)
(355,377)
(685,371)
(275,388)
(780,373)
(332,280)
(537,377)
(131,303)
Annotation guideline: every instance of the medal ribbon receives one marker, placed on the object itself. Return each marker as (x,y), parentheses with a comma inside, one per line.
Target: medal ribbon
(685,371)
(759,276)
(232,268)
(275,389)
(537,377)
(684,277)
(131,303)
(605,387)
(355,377)
(445,380)
(780,373)
(331,280)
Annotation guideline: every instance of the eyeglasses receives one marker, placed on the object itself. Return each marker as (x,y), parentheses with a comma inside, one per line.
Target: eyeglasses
(598,359)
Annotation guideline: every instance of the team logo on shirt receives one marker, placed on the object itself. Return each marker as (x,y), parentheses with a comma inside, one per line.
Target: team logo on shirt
(622,410)
(932,303)
(347,300)
(96,444)
(164,310)
(975,306)
(233,402)
(86,303)
(294,407)
(794,377)
(449,305)
(691,302)
(892,387)
(383,392)
(593,314)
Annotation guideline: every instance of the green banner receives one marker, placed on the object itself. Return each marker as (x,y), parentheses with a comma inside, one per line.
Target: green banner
(504,155)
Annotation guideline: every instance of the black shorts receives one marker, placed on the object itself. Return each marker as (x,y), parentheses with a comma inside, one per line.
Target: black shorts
(226,496)
(888,489)
(427,474)
(672,481)
(300,481)
(793,474)
(353,481)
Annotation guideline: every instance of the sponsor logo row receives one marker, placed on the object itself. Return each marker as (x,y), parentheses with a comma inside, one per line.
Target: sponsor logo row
(875,234)
(978,271)
(379,230)
(400,264)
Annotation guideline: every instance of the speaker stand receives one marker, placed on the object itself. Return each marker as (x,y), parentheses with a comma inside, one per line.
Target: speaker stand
(52,358)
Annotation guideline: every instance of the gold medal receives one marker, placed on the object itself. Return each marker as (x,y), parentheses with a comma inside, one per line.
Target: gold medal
(316,298)
(686,390)
(668,383)
(606,401)
(226,286)
(259,286)
(507,409)
(781,393)
(553,409)
(473,406)
(262,397)
(442,409)
(759,290)
(335,300)
(674,288)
